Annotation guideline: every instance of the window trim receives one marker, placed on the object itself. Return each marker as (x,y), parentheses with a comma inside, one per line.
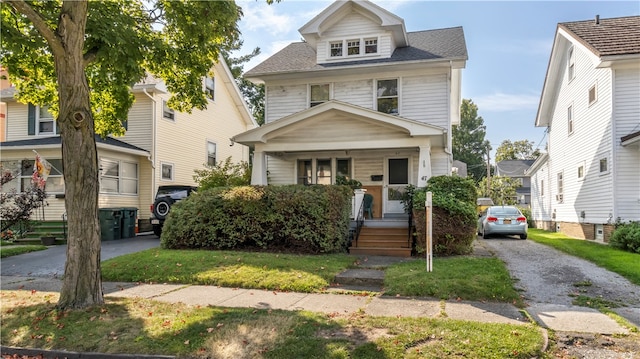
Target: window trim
(168,113)
(339,46)
(119,177)
(570,120)
(310,92)
(343,46)
(38,120)
(593,88)
(581,172)
(571,63)
(215,153)
(560,187)
(210,91)
(173,171)
(604,158)
(397,95)
(314,168)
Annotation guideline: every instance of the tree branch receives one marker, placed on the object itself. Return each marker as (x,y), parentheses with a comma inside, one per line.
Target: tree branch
(38,22)
(90,56)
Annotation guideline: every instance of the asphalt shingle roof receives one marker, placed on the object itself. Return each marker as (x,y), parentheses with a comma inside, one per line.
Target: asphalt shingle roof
(615,36)
(56,140)
(443,44)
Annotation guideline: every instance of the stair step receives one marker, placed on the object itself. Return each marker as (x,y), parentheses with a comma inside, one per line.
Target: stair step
(381,243)
(381,251)
(360,277)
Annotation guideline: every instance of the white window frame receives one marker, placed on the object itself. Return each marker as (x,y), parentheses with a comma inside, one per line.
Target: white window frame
(604,160)
(43,120)
(570,120)
(571,63)
(560,187)
(210,87)
(541,188)
(373,42)
(168,113)
(593,89)
(353,44)
(172,170)
(339,46)
(215,153)
(315,103)
(378,97)
(582,172)
(344,45)
(119,177)
(315,172)
(22,171)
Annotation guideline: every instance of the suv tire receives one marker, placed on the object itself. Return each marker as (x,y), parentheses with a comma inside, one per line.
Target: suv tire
(161,207)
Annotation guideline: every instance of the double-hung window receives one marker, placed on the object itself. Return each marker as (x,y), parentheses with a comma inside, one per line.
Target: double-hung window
(46,122)
(571,64)
(210,88)
(335,48)
(322,170)
(118,177)
(387,96)
(211,153)
(167,112)
(560,184)
(371,46)
(22,171)
(353,47)
(570,119)
(319,94)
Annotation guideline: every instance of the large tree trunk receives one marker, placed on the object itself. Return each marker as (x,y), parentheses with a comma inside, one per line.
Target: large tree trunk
(82,285)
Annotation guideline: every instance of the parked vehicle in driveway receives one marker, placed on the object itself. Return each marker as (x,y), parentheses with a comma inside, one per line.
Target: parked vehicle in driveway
(502,220)
(165,197)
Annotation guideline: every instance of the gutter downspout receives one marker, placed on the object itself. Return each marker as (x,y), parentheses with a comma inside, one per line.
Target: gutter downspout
(154,131)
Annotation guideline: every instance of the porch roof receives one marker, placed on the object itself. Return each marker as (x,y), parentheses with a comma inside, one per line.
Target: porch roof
(337,122)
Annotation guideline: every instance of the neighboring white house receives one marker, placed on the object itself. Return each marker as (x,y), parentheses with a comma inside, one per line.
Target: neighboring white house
(516,169)
(590,104)
(362,98)
(160,146)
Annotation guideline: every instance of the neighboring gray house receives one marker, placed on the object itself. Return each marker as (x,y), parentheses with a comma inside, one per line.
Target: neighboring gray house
(516,169)
(590,105)
(360,97)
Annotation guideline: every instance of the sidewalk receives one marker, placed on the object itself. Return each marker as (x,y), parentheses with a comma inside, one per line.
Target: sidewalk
(558,318)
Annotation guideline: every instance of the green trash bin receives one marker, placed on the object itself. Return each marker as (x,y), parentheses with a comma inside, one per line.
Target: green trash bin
(129,216)
(110,223)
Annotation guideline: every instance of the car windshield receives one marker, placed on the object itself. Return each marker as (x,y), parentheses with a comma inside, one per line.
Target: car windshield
(505,211)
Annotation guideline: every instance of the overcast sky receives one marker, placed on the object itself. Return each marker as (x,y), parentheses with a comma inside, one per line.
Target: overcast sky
(508,42)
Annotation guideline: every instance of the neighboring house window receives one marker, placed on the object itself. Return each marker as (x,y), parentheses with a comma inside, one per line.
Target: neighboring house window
(541,187)
(353,47)
(167,171)
(570,119)
(343,168)
(570,64)
(46,124)
(593,95)
(604,166)
(22,171)
(336,49)
(304,172)
(168,113)
(387,96)
(581,172)
(118,177)
(210,87)
(370,46)
(559,196)
(211,153)
(319,94)
(323,171)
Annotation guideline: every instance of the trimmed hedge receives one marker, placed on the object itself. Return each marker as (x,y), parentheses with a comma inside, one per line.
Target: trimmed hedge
(454,215)
(300,219)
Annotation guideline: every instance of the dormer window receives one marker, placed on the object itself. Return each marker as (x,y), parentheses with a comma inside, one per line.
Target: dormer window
(371,46)
(353,47)
(336,49)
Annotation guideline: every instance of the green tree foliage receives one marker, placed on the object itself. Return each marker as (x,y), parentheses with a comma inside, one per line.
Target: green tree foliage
(223,174)
(253,93)
(516,150)
(502,190)
(626,237)
(469,144)
(81,59)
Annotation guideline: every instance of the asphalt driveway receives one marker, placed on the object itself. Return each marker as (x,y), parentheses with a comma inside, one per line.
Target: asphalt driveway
(50,262)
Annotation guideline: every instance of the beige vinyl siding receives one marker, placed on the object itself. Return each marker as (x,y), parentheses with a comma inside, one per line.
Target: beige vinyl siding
(282,101)
(281,170)
(440,162)
(357,92)
(17,124)
(140,123)
(425,99)
(626,112)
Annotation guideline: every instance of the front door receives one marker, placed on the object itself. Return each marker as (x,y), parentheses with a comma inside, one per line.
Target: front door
(397,180)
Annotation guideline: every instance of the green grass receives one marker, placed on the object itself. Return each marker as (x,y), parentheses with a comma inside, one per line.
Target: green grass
(8,249)
(626,264)
(466,278)
(141,326)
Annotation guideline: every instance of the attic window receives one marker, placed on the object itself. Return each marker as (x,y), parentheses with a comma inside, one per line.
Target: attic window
(210,88)
(370,46)
(353,47)
(571,64)
(593,95)
(336,49)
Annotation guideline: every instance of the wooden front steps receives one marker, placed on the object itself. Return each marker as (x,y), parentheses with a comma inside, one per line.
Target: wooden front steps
(382,241)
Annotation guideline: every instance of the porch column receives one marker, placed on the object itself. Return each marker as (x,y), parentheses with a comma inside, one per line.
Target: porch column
(424,168)
(259,170)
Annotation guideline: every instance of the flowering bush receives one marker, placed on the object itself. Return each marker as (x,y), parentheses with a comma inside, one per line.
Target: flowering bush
(7,235)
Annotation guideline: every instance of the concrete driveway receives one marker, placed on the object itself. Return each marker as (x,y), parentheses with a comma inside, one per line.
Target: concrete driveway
(550,280)
(50,262)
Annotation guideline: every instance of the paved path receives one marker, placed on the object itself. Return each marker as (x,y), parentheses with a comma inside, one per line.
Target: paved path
(550,280)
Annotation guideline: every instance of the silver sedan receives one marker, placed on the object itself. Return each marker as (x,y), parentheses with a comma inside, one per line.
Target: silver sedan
(503,220)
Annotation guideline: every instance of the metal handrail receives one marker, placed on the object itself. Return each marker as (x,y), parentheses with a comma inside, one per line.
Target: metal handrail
(359,222)
(410,224)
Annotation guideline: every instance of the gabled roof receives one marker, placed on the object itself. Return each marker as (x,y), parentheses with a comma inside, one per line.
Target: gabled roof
(410,127)
(312,30)
(539,162)
(609,41)
(513,168)
(429,45)
(56,142)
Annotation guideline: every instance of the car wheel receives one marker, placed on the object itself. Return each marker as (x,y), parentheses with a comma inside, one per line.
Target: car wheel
(161,207)
(484,234)
(157,231)
(523,236)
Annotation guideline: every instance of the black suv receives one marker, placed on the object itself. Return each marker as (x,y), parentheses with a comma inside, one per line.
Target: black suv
(165,197)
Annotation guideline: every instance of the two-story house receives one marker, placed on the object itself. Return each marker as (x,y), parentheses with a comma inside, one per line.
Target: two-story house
(160,147)
(516,169)
(590,104)
(361,98)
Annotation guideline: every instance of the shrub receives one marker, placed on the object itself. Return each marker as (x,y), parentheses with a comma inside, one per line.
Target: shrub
(626,236)
(301,219)
(526,211)
(223,174)
(454,215)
